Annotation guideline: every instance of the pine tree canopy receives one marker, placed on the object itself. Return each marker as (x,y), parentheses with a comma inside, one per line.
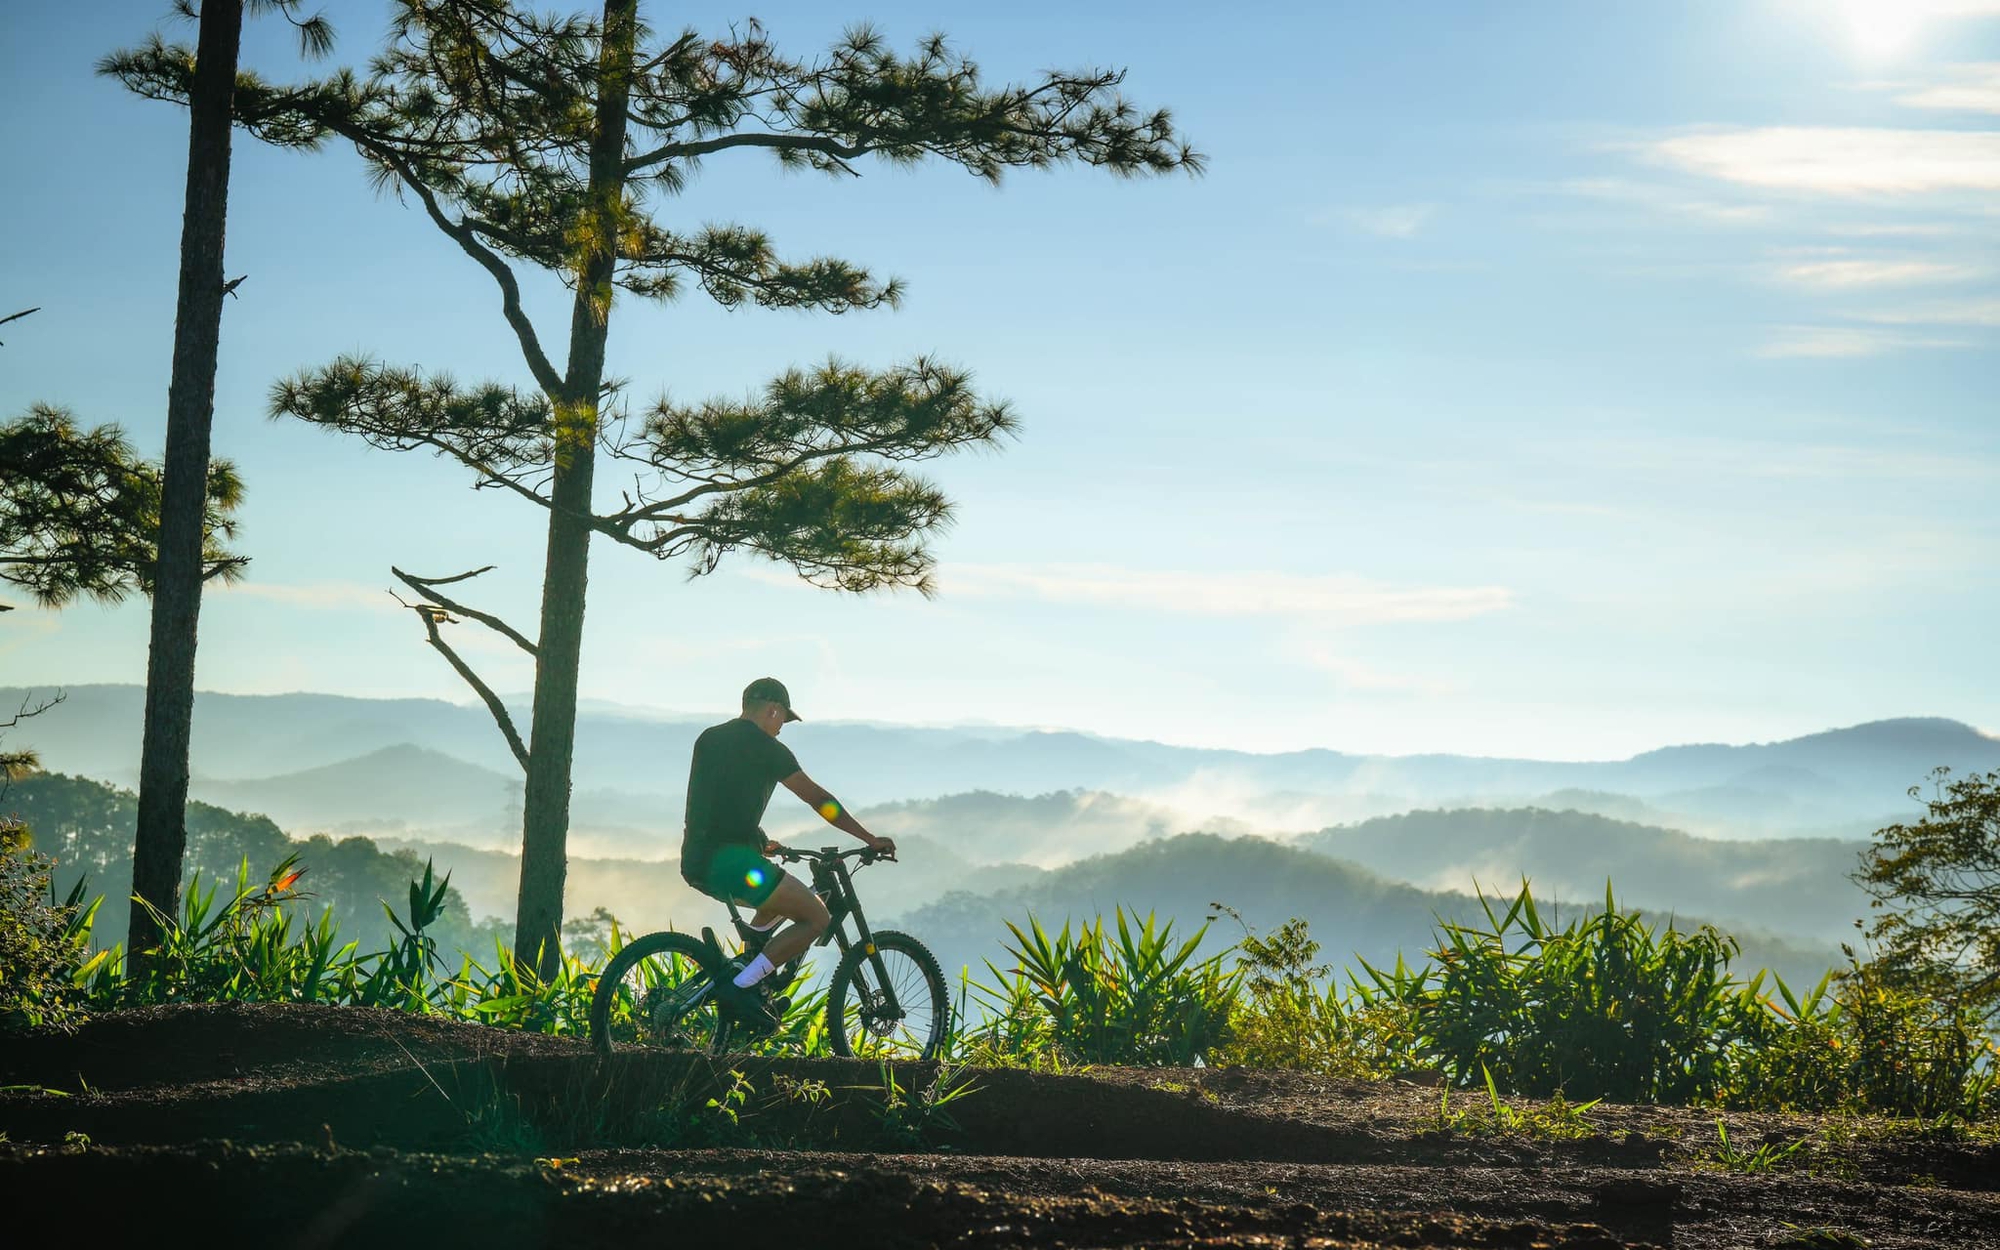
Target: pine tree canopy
(803,474)
(80,511)
(485,114)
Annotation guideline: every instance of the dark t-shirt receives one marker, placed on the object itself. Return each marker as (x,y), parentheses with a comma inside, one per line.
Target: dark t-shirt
(735,767)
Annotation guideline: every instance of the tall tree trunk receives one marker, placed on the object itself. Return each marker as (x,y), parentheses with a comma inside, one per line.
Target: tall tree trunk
(161,838)
(552,742)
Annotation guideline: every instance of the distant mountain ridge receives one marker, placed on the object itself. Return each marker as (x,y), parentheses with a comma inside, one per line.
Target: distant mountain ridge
(1843,779)
(1793,885)
(403,781)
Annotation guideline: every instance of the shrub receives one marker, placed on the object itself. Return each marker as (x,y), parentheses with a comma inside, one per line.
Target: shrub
(1865,1041)
(1607,1007)
(1795,1056)
(1912,1054)
(43,943)
(1131,998)
(1292,1014)
(1011,1028)
(1936,885)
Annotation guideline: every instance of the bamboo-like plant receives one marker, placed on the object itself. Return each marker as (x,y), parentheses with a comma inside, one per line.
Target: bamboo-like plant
(1609,1006)
(1131,996)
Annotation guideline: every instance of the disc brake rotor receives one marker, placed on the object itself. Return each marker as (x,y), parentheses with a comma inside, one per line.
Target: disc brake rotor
(875,1017)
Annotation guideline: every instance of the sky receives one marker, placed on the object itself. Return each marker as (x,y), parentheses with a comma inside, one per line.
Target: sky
(1556,380)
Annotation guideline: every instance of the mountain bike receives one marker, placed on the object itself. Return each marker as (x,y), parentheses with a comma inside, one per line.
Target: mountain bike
(886,997)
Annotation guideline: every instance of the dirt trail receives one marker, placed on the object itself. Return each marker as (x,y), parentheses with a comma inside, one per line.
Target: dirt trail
(342,1125)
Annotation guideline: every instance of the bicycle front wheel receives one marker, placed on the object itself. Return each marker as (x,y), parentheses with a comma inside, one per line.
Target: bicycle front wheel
(887,1000)
(659,990)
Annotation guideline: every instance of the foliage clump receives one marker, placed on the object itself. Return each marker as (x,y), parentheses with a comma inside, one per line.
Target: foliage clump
(80,511)
(1128,994)
(1936,885)
(1608,1006)
(1293,1015)
(42,941)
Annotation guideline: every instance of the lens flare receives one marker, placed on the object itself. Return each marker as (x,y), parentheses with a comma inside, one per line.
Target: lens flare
(829,811)
(754,878)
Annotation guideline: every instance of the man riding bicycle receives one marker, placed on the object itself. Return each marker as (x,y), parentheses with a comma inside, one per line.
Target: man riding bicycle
(736,767)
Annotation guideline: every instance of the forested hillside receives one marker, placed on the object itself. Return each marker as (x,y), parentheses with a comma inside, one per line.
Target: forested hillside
(86,827)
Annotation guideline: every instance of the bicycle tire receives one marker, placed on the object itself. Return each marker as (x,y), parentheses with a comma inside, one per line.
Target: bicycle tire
(645,968)
(912,968)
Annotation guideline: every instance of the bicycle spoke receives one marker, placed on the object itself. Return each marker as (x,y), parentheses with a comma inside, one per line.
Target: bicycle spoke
(663,1000)
(875,1031)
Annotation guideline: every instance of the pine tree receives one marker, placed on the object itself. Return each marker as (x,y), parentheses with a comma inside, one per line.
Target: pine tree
(210,76)
(80,512)
(551,142)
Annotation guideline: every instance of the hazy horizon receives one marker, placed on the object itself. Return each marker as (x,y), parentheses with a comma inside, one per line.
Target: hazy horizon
(666,714)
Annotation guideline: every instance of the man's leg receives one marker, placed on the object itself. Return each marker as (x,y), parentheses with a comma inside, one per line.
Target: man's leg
(794,902)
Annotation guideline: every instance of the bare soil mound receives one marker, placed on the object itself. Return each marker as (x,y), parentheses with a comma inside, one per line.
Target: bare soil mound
(353,1124)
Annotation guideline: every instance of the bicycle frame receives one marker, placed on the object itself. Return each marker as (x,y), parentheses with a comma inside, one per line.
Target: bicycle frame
(834,883)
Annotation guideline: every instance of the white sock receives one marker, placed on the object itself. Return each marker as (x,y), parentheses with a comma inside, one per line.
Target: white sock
(754,971)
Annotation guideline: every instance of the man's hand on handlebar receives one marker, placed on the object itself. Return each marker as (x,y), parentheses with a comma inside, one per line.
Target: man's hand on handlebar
(876,848)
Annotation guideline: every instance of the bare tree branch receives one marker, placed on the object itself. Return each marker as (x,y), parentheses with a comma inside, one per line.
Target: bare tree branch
(432,617)
(425,586)
(17,316)
(510,288)
(27,712)
(784,143)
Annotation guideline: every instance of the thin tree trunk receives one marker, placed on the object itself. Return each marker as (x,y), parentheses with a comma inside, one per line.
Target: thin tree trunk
(552,740)
(161,838)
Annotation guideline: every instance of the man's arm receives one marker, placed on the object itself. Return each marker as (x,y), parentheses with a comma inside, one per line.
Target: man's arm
(815,796)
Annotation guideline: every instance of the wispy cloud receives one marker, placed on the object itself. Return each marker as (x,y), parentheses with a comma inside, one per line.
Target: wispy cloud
(1836,160)
(1657,198)
(1885,229)
(1845,341)
(323,596)
(1970,88)
(1388,221)
(1716,459)
(1972,312)
(1328,599)
(1867,273)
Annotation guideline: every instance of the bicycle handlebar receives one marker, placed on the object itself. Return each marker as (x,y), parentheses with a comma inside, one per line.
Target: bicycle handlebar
(863,854)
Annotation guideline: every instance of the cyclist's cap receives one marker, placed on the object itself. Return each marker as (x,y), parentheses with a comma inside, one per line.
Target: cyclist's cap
(771,690)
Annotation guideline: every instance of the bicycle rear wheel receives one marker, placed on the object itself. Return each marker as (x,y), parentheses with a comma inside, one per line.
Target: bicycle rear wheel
(659,990)
(887,1000)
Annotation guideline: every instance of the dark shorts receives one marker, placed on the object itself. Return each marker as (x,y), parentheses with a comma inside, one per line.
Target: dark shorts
(736,873)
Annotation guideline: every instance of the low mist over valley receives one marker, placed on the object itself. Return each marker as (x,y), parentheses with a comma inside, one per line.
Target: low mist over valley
(998,824)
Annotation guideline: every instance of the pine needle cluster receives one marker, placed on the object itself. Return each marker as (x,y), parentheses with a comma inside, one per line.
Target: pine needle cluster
(80,511)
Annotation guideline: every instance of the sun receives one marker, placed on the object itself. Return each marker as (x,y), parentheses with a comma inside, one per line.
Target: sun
(1880,29)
